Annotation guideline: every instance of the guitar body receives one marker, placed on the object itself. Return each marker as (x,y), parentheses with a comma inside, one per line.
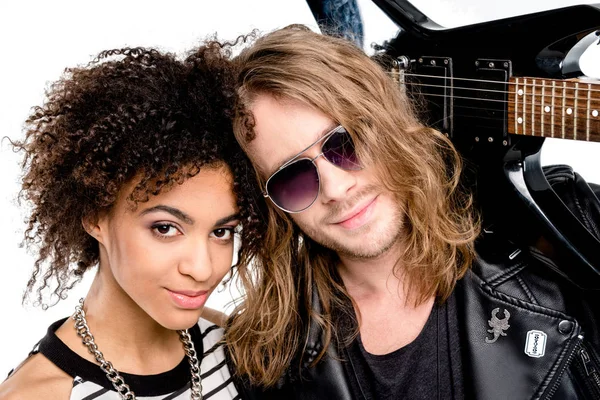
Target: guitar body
(497,89)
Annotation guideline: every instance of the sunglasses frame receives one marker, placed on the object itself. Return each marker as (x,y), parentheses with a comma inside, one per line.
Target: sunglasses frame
(296,159)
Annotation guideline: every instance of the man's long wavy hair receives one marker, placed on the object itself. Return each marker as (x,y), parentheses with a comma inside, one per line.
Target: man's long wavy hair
(416,163)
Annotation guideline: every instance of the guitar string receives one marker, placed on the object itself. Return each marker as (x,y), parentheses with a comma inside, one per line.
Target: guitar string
(546,122)
(546,114)
(539,131)
(528,114)
(537,125)
(537,93)
(580,116)
(537,111)
(510,101)
(546,131)
(595,82)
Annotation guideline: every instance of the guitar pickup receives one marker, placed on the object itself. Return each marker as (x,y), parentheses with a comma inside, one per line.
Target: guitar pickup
(430,82)
(485,99)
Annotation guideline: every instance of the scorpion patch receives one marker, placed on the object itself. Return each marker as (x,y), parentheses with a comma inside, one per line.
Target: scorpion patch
(498,325)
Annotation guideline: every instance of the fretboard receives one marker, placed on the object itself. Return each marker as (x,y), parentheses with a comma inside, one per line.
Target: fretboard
(568,109)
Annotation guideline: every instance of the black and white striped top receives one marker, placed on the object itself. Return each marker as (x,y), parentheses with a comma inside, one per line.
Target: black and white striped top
(90,383)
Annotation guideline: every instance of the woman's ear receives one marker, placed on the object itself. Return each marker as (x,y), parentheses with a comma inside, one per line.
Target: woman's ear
(94,227)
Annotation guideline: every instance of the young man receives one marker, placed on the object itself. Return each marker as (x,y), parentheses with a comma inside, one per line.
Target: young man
(369,286)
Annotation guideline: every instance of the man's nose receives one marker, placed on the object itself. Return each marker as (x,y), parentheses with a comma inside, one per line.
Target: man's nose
(335,182)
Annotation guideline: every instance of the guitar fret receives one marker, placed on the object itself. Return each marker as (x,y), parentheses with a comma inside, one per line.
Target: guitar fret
(562,110)
(576,101)
(542,107)
(552,108)
(516,105)
(593,116)
(533,107)
(524,106)
(588,112)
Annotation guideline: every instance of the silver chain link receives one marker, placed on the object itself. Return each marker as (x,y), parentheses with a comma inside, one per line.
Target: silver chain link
(113,375)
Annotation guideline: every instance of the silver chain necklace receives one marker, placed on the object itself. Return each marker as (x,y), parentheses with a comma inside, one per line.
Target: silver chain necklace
(113,375)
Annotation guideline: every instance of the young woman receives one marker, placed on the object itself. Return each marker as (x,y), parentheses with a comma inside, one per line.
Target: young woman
(131,166)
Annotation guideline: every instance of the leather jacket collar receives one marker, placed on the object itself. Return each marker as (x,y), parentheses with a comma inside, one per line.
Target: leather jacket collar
(526,357)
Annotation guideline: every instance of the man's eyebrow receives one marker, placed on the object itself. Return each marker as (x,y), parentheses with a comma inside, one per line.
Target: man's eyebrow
(227,219)
(284,161)
(171,210)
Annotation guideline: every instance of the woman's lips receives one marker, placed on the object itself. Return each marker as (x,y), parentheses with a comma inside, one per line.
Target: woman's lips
(189,299)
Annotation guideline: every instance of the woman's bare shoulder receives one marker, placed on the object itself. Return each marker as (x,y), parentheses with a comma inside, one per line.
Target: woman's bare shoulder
(36,378)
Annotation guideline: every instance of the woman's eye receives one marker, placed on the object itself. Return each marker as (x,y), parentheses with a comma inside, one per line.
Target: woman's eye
(165,230)
(223,233)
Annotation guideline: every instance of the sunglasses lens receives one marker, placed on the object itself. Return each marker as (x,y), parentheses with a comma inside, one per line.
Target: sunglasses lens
(295,187)
(339,150)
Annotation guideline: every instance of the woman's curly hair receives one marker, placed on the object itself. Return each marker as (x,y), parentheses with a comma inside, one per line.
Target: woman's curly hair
(131,112)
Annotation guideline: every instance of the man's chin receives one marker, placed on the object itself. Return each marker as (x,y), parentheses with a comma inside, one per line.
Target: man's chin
(362,252)
(357,248)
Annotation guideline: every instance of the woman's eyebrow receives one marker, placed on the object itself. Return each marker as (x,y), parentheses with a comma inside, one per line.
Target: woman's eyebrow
(227,219)
(171,210)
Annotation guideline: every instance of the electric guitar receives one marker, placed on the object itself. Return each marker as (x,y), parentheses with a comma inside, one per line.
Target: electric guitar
(497,89)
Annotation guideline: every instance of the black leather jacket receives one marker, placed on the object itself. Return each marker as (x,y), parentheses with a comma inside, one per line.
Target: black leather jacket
(550,319)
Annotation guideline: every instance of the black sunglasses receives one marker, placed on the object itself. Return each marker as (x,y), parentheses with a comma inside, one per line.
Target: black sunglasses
(295,186)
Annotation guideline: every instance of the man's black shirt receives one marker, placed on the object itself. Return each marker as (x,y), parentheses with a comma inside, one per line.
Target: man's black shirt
(427,368)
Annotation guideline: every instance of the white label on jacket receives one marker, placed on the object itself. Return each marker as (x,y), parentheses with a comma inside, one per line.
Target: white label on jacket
(535,345)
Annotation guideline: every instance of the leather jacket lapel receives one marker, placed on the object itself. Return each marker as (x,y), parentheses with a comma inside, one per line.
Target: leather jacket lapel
(501,363)
(336,385)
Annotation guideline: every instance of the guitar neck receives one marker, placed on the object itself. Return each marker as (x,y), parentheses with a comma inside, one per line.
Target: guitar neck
(568,109)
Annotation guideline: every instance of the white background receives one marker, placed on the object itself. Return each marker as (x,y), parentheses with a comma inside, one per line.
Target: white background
(38,39)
